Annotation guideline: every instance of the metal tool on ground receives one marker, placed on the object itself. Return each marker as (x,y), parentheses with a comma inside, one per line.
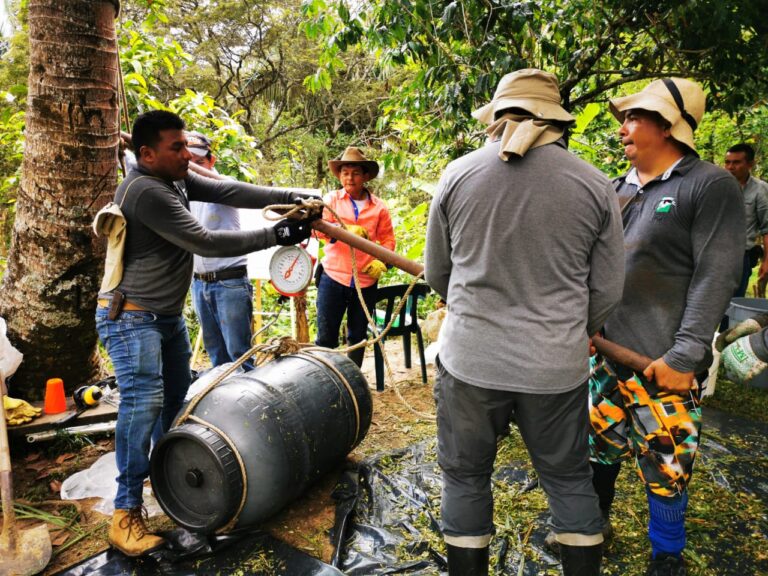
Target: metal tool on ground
(84,397)
(26,551)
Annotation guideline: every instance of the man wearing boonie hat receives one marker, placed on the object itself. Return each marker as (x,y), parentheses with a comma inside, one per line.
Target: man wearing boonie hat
(222,294)
(684,241)
(366,215)
(524,244)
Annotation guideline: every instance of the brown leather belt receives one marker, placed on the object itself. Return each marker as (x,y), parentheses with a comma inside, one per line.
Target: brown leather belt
(130,306)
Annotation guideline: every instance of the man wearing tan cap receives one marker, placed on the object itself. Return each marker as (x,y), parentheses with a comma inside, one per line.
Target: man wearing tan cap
(684,242)
(222,294)
(524,244)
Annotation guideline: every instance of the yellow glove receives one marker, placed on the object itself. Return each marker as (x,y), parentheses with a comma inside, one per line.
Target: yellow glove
(358,230)
(19,411)
(375,269)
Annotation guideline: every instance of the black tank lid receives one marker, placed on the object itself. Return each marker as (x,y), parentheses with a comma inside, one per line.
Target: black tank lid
(196,478)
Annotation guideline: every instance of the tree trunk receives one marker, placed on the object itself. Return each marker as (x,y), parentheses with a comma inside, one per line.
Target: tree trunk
(48,295)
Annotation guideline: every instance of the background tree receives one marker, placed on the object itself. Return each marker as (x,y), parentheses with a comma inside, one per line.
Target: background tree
(457,50)
(69,170)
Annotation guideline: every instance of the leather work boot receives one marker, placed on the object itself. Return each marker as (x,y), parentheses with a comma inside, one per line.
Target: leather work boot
(666,565)
(129,534)
(467,561)
(581,560)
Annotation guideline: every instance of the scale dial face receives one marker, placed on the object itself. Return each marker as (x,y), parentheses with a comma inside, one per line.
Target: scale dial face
(290,270)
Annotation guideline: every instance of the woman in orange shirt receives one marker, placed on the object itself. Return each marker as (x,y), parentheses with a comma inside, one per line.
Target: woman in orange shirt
(365,215)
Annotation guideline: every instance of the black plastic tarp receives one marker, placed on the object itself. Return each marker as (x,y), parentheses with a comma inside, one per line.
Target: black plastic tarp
(386,514)
(384,511)
(244,554)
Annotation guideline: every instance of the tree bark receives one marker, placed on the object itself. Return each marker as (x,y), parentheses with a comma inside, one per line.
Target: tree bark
(48,295)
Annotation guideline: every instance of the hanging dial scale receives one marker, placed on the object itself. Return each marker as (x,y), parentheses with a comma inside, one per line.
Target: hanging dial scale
(290,270)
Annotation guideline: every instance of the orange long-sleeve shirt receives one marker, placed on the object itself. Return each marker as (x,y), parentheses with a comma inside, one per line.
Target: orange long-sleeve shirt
(374,217)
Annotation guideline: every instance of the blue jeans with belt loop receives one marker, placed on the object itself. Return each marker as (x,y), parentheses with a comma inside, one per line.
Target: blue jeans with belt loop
(225,310)
(150,354)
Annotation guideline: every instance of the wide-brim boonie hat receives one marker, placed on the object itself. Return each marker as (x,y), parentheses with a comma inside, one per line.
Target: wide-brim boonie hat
(679,101)
(535,91)
(353,156)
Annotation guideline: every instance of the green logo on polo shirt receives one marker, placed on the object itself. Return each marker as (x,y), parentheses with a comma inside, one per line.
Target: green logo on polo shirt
(665,205)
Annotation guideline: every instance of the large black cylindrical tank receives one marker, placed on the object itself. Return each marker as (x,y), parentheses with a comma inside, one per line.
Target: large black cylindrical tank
(256,441)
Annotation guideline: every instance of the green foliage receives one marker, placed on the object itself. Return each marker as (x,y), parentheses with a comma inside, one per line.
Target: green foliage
(11,148)
(456,51)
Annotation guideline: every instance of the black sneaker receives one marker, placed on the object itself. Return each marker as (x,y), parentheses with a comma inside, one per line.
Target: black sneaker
(666,565)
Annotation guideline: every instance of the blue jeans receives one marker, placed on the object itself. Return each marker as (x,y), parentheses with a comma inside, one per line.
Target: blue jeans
(333,300)
(225,310)
(150,354)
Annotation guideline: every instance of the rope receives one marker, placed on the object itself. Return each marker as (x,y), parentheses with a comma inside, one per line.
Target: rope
(258,349)
(123,101)
(346,384)
(310,206)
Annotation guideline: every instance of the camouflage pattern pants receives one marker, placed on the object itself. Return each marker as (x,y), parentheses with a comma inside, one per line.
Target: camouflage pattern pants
(632,418)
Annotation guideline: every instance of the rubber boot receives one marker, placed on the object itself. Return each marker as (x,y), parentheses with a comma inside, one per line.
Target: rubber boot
(129,534)
(581,560)
(467,561)
(357,356)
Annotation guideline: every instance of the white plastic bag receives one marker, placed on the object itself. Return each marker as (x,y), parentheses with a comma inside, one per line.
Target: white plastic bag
(98,481)
(10,358)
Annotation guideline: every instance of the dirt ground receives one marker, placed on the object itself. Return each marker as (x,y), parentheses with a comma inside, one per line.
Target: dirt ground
(78,532)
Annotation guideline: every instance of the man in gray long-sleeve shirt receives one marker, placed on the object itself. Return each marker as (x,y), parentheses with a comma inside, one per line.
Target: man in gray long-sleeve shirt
(524,243)
(684,242)
(139,318)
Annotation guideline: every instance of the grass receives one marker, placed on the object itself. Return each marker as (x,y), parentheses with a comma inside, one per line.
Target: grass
(744,401)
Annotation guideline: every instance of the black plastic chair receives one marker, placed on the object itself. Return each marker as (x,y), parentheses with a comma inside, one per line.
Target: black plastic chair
(407,323)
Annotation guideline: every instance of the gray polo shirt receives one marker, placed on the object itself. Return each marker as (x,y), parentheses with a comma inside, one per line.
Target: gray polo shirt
(684,244)
(528,255)
(756,206)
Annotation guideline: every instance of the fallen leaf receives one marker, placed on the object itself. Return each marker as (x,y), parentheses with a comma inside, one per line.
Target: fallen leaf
(37,466)
(42,474)
(55,485)
(32,457)
(64,457)
(58,537)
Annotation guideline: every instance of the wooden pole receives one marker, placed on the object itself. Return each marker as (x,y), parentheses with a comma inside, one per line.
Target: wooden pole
(258,311)
(375,250)
(302,323)
(621,355)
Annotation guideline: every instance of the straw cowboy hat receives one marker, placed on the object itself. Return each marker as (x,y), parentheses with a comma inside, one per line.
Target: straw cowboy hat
(679,101)
(535,91)
(353,156)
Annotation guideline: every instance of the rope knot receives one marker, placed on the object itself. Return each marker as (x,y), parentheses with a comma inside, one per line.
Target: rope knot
(284,345)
